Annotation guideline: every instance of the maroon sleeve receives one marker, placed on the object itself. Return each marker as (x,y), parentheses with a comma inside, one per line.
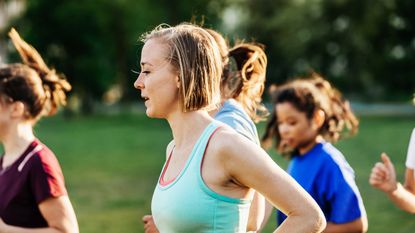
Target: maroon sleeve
(46,178)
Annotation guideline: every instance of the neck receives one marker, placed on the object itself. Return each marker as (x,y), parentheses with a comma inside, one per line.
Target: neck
(17,140)
(308,146)
(186,127)
(213,112)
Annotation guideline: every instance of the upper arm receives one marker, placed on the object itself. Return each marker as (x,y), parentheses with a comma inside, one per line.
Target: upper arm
(46,177)
(251,166)
(410,157)
(343,196)
(410,165)
(59,214)
(409,180)
(358,225)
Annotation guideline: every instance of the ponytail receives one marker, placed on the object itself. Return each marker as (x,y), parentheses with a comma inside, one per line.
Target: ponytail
(340,119)
(246,83)
(243,76)
(54,86)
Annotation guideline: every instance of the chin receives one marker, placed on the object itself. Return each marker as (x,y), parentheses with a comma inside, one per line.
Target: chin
(152,114)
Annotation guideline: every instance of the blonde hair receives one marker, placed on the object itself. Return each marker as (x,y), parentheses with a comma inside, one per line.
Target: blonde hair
(194,54)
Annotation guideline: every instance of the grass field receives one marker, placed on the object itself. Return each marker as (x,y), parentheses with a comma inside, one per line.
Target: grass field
(111,164)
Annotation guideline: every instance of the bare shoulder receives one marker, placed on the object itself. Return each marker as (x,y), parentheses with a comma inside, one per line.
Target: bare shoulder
(227,143)
(226,137)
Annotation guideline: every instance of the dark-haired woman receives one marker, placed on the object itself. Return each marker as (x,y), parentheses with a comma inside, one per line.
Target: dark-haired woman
(33,197)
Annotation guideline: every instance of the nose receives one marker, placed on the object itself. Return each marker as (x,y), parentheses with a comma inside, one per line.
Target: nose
(283,129)
(139,84)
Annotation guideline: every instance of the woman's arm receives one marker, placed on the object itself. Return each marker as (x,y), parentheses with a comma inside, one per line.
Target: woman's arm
(356,226)
(403,196)
(383,177)
(256,213)
(58,213)
(267,214)
(251,166)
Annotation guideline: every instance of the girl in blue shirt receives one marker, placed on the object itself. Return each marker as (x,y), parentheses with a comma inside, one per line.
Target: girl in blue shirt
(309,115)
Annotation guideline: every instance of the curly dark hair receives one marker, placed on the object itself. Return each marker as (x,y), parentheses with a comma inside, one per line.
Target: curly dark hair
(308,95)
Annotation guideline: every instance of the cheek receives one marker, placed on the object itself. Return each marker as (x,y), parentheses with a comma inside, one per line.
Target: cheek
(306,132)
(295,131)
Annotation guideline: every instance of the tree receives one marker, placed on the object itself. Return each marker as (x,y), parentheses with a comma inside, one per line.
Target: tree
(95,43)
(365,47)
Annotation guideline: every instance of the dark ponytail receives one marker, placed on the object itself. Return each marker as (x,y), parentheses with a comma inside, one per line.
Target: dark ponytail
(40,88)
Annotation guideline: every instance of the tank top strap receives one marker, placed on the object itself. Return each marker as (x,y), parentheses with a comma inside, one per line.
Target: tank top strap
(201,144)
(193,162)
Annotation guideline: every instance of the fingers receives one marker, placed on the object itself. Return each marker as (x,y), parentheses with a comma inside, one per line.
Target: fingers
(379,174)
(386,160)
(383,175)
(149,225)
(381,171)
(147,218)
(389,166)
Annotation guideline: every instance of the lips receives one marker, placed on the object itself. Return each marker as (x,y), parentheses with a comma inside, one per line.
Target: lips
(285,146)
(145,98)
(286,141)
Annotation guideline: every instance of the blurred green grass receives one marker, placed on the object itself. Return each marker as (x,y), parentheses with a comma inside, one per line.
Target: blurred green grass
(111,165)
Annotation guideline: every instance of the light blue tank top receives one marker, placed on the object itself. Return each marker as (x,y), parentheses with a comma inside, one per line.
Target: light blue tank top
(187,204)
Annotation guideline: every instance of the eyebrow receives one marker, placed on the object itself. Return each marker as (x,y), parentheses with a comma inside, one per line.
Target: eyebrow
(145,63)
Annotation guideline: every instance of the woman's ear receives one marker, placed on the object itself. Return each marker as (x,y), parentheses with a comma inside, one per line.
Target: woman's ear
(318,119)
(18,109)
(178,81)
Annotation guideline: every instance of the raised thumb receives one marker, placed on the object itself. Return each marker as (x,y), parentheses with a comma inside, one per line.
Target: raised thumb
(385,159)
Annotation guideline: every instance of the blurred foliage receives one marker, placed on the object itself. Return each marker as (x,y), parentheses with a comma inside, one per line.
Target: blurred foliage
(96,43)
(366,48)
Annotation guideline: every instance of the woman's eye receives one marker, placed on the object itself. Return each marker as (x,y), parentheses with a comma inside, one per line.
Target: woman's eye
(140,72)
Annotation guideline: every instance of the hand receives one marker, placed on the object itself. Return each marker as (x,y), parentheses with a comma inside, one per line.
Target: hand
(149,225)
(383,176)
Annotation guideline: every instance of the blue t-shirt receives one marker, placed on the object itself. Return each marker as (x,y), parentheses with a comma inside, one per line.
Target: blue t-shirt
(325,174)
(233,114)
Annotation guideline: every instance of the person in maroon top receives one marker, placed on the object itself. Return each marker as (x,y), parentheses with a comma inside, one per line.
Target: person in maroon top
(33,196)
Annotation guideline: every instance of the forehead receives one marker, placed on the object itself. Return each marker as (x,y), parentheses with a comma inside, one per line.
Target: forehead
(154,52)
(287,109)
